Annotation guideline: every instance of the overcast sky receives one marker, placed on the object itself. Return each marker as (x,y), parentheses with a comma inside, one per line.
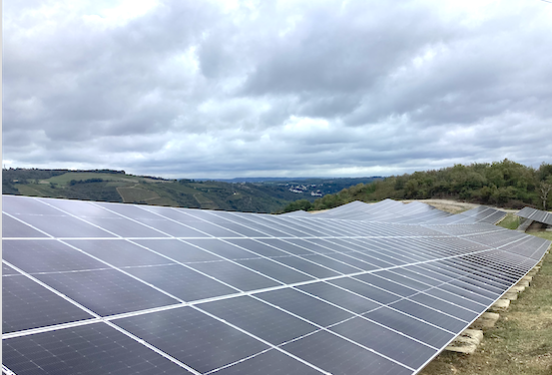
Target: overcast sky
(275,88)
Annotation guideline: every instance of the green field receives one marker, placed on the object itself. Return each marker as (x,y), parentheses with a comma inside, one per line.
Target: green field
(511,221)
(37,190)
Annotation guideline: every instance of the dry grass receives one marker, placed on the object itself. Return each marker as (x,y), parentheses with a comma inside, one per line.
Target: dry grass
(450,206)
(521,341)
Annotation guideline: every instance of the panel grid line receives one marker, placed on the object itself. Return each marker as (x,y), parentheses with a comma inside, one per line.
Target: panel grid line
(426,269)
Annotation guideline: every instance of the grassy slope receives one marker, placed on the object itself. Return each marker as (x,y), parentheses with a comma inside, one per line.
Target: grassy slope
(521,341)
(511,221)
(127,188)
(64,179)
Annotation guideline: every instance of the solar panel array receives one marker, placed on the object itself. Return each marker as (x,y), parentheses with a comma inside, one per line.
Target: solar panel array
(536,215)
(412,213)
(104,288)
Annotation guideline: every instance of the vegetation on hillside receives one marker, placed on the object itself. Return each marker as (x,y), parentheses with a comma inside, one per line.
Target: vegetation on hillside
(117,186)
(504,184)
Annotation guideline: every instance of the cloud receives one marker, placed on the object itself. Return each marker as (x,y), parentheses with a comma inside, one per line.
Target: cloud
(275,88)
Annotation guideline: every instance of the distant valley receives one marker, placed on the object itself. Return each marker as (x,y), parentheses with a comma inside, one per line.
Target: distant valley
(240,194)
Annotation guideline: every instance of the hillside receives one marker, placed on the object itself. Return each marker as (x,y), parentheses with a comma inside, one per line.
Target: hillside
(504,184)
(117,186)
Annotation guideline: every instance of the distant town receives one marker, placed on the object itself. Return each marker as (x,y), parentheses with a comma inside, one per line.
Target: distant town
(305,189)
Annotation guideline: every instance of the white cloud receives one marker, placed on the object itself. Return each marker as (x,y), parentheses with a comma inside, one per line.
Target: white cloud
(222,89)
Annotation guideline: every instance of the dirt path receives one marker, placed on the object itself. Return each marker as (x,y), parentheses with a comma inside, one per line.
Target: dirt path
(447,205)
(122,196)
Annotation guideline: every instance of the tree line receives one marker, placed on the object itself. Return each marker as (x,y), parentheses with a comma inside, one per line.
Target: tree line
(504,184)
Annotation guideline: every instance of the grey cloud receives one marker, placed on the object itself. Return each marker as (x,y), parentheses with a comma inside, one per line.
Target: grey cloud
(205,89)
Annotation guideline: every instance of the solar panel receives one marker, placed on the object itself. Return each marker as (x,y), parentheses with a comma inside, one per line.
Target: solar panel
(125,289)
(536,215)
(389,211)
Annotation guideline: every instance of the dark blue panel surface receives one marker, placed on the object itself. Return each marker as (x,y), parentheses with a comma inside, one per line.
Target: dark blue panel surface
(223,249)
(431,316)
(275,222)
(385,341)
(366,290)
(331,263)
(286,246)
(387,285)
(412,327)
(120,253)
(340,297)
(106,292)
(7,270)
(275,270)
(178,250)
(101,214)
(21,205)
(87,350)
(271,362)
(27,304)
(239,277)
(58,224)
(413,274)
(467,293)
(259,319)
(181,216)
(403,280)
(13,228)
(305,306)
(82,209)
(251,221)
(350,259)
(182,282)
(257,247)
(192,337)
(227,224)
(151,221)
(306,266)
(125,227)
(341,357)
(311,245)
(444,306)
(46,256)
(457,299)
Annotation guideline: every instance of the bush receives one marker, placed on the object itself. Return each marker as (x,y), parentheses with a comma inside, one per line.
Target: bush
(301,204)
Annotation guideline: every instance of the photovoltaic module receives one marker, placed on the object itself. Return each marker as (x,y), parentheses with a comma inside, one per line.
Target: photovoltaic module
(106,288)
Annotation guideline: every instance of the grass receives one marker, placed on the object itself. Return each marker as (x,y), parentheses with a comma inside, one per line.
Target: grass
(36,190)
(136,194)
(510,221)
(520,342)
(64,179)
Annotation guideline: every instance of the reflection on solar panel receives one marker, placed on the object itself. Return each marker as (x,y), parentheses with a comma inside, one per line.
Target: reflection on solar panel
(99,288)
(389,211)
(536,215)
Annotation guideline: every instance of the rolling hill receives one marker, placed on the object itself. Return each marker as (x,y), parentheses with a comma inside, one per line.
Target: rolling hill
(263,195)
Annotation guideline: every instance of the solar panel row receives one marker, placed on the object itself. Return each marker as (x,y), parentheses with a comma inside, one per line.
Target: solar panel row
(389,211)
(536,215)
(121,289)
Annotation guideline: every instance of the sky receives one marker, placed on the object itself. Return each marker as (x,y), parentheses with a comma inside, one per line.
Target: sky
(222,89)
